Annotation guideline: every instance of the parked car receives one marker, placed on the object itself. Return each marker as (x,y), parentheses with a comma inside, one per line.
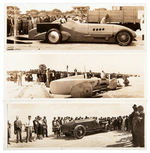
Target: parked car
(72,31)
(79,128)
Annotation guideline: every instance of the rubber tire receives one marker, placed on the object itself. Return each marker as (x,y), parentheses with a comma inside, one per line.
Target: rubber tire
(67,134)
(76,129)
(58,41)
(122,43)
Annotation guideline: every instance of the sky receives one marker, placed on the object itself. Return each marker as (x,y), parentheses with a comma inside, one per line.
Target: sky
(63,7)
(123,63)
(55,109)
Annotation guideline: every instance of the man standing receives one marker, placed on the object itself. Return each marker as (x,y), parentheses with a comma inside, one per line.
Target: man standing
(36,126)
(19,78)
(8,132)
(104,19)
(127,123)
(141,126)
(131,121)
(45,126)
(29,126)
(54,124)
(18,129)
(48,77)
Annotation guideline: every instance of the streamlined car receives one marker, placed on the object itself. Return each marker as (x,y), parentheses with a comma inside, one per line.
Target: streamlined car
(72,31)
(80,128)
(80,87)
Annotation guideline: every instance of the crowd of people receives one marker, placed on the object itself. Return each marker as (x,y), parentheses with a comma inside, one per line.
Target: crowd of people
(35,129)
(49,75)
(38,128)
(24,23)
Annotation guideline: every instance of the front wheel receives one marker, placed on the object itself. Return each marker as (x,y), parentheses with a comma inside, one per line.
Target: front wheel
(124,38)
(79,131)
(54,36)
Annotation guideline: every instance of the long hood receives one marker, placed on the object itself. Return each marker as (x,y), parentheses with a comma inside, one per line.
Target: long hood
(64,86)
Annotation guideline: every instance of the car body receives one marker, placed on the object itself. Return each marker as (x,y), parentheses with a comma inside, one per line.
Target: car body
(80,128)
(80,87)
(72,31)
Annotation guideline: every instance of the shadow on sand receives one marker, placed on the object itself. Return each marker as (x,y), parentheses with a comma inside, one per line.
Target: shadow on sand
(123,142)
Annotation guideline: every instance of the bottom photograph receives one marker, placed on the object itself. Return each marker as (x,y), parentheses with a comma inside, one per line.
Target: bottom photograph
(75,125)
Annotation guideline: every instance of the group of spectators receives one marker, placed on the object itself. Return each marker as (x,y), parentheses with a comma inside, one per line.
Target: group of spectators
(133,123)
(38,128)
(24,23)
(34,129)
(49,75)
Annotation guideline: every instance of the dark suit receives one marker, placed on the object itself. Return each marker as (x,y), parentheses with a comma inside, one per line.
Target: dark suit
(45,128)
(18,130)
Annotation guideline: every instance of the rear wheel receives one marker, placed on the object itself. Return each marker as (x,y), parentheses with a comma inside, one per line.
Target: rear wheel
(79,131)
(54,36)
(124,38)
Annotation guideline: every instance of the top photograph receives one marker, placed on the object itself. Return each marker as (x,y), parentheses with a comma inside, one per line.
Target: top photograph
(74,27)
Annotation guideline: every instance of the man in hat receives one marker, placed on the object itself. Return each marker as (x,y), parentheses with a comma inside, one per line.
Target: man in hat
(131,121)
(18,129)
(36,126)
(8,132)
(104,19)
(45,127)
(140,128)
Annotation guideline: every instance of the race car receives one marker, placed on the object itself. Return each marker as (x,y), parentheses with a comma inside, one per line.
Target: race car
(80,87)
(72,31)
(79,128)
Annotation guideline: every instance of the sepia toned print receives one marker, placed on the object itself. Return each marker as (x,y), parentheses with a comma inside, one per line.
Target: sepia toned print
(97,125)
(75,75)
(94,26)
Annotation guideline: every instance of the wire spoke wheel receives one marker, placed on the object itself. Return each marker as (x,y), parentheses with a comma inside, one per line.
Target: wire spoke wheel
(79,131)
(124,38)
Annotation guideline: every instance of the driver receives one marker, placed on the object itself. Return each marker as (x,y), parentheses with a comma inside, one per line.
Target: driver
(104,19)
(63,19)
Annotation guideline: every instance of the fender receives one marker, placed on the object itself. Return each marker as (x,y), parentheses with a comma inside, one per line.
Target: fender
(40,36)
(32,33)
(65,35)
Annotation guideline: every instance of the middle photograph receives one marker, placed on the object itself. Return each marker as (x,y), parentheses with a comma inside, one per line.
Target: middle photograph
(32,76)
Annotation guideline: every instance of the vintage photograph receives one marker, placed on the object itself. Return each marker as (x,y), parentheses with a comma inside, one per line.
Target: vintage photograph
(65,125)
(74,27)
(32,76)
